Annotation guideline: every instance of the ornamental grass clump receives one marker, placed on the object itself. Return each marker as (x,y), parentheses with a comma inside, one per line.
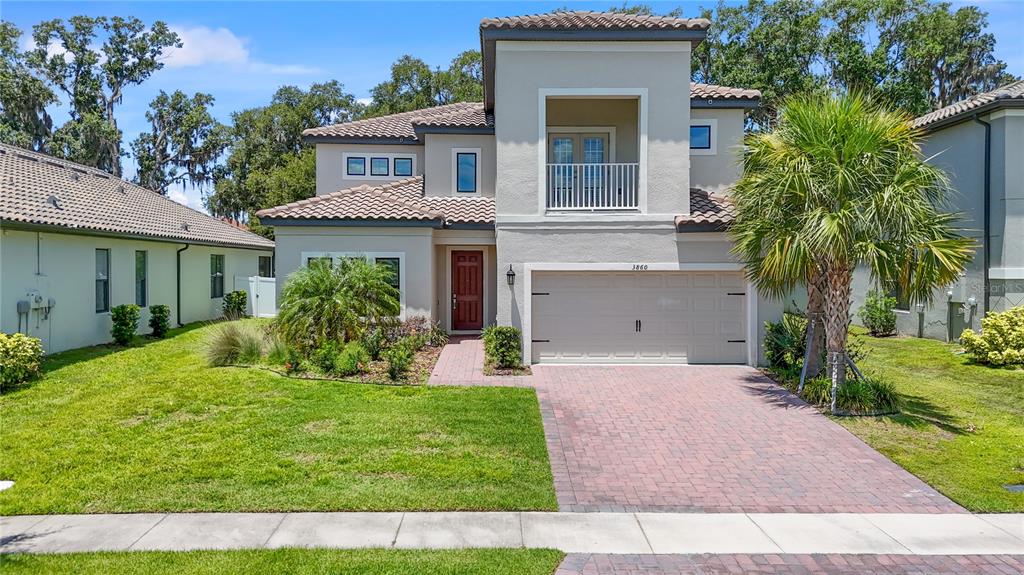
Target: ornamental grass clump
(1001,341)
(234,343)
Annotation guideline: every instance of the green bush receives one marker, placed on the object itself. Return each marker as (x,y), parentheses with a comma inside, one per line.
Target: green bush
(878,315)
(503,346)
(321,302)
(784,341)
(325,355)
(399,358)
(351,361)
(1001,341)
(125,320)
(374,342)
(872,395)
(20,358)
(234,305)
(437,335)
(159,320)
(233,344)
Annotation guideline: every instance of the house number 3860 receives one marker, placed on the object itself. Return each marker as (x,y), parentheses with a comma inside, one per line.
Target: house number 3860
(639,267)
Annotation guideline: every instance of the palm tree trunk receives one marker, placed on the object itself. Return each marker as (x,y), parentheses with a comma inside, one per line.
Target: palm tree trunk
(838,285)
(815,326)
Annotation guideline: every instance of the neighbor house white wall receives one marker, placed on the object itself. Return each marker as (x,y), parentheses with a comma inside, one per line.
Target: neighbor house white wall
(65,269)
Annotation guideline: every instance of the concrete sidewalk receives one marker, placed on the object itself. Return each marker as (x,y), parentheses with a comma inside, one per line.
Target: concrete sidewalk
(610,533)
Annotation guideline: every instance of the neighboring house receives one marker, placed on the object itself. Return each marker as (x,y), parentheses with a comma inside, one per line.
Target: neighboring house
(583,201)
(76,241)
(979,142)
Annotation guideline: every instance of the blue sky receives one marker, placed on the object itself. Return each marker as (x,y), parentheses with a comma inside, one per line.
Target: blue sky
(241,52)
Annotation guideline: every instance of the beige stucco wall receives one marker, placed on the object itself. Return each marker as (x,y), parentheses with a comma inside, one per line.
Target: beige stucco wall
(425,251)
(440,175)
(330,166)
(652,244)
(717,172)
(662,69)
(67,272)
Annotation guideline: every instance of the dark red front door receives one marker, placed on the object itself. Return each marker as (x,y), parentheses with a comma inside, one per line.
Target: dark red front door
(467,290)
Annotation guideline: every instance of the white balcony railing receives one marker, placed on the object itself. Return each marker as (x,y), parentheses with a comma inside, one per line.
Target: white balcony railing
(593,187)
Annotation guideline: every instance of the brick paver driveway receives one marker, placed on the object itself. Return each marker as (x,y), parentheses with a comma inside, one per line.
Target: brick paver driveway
(710,439)
(696,438)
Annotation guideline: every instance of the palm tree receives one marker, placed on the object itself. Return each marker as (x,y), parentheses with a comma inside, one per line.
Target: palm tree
(842,183)
(323,302)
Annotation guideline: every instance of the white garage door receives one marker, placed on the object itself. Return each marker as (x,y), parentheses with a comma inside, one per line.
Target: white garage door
(638,317)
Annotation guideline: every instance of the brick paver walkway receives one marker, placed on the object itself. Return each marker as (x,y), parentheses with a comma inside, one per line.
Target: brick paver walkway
(584,564)
(698,438)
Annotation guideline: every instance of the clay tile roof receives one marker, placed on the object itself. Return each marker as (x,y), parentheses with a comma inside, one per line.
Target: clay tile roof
(401,126)
(1010,93)
(43,190)
(396,201)
(569,20)
(713,92)
(707,212)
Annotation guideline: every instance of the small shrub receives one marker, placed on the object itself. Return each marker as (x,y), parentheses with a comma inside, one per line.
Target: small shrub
(125,320)
(503,346)
(159,320)
(784,341)
(399,358)
(295,362)
(374,341)
(887,399)
(437,335)
(416,342)
(1001,341)
(351,361)
(878,315)
(233,344)
(234,305)
(20,358)
(324,357)
(277,350)
(818,391)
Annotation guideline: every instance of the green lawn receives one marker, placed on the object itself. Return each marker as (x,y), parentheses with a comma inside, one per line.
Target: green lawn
(291,561)
(963,428)
(153,429)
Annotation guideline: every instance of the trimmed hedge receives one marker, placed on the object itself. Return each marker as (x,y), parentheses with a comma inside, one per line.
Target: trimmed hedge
(125,319)
(503,346)
(159,320)
(1001,341)
(20,358)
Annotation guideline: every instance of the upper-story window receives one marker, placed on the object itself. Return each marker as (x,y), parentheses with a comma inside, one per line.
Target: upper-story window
(703,137)
(403,167)
(466,170)
(383,167)
(379,166)
(355,166)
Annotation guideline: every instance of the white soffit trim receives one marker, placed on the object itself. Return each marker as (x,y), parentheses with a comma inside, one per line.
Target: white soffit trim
(1006,273)
(548,46)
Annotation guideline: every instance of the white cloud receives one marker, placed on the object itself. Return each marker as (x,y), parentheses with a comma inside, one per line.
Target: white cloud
(365,101)
(202,46)
(182,195)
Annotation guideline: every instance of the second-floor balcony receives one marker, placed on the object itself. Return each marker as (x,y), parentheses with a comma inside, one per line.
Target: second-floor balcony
(593,186)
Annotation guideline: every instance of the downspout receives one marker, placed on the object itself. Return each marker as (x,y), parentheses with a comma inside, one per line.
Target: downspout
(987,212)
(177,291)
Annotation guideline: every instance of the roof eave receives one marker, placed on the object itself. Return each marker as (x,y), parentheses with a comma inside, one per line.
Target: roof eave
(966,115)
(701,227)
(83,231)
(488,37)
(468,130)
(724,103)
(352,222)
(318,139)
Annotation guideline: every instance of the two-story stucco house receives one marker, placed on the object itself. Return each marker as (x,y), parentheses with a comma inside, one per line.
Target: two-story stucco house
(979,143)
(583,201)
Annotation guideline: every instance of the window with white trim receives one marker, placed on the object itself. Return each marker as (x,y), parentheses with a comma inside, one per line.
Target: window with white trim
(377,166)
(703,137)
(102,280)
(216,276)
(466,170)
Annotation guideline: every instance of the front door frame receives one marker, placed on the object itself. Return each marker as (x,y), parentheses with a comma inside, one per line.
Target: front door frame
(487,279)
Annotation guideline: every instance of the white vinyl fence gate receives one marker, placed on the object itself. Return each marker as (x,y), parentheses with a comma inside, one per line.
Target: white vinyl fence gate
(262,295)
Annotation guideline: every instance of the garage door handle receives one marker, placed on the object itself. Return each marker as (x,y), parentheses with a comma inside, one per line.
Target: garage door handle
(736,293)
(736,341)
(638,326)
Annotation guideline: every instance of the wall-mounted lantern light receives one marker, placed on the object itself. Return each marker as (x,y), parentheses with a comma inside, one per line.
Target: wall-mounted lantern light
(510,276)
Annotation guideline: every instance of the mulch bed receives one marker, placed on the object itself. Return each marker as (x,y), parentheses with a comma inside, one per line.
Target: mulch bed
(376,372)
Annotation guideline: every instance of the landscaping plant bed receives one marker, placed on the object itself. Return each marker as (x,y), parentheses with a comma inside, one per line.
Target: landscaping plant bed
(375,372)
